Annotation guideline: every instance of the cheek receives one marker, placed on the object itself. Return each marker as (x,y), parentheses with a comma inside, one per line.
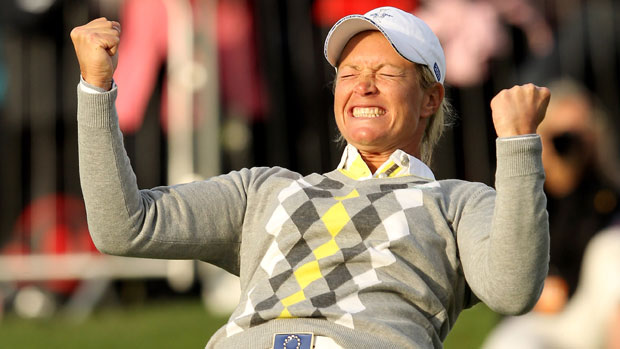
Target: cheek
(407,105)
(341,97)
(413,101)
(338,98)
(338,110)
(403,95)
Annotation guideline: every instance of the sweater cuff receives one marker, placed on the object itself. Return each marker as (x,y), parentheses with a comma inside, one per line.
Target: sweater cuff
(97,110)
(519,157)
(86,87)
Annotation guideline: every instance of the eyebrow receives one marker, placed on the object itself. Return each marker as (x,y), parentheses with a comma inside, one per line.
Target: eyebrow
(382,65)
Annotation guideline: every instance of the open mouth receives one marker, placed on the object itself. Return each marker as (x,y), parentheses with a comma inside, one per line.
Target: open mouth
(367,112)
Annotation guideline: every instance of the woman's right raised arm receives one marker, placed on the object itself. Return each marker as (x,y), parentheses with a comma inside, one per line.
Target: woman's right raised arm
(200,220)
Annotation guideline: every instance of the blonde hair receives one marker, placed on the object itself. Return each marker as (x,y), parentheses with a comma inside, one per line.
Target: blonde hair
(438,122)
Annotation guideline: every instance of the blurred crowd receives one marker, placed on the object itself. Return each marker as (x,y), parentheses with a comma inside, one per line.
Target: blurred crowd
(255,90)
(580,303)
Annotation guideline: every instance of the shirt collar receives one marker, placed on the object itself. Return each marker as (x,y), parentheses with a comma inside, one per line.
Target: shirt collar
(398,164)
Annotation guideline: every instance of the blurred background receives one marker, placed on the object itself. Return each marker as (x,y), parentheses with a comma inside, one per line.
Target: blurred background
(210,86)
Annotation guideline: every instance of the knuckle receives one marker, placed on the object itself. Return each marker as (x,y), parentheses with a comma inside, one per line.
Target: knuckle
(531,88)
(92,36)
(77,31)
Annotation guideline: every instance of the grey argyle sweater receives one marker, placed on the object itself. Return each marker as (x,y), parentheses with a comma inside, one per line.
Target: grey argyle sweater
(378,263)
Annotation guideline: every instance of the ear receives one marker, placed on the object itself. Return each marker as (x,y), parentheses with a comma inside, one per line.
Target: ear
(433,96)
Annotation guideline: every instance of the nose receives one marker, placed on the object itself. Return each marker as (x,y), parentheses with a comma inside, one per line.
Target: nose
(366,85)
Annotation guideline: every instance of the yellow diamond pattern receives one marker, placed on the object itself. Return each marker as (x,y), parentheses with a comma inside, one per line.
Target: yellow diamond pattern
(285,314)
(335,218)
(327,249)
(294,298)
(351,195)
(308,273)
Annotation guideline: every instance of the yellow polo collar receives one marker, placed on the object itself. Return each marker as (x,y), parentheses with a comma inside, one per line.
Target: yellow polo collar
(398,164)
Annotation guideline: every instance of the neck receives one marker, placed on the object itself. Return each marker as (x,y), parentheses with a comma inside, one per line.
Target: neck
(374,160)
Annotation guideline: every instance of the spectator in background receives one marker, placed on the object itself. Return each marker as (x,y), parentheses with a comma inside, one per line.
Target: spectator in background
(146,30)
(580,303)
(581,186)
(591,319)
(475,32)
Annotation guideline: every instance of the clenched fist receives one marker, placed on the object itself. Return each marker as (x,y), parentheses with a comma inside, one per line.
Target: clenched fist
(519,110)
(96,47)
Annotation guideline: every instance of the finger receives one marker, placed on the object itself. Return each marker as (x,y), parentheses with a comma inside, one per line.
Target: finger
(546,98)
(108,43)
(112,50)
(544,92)
(106,25)
(116,26)
(89,34)
(103,24)
(97,20)
(96,39)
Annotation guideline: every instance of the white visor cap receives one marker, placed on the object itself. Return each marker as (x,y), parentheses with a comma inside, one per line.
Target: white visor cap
(409,35)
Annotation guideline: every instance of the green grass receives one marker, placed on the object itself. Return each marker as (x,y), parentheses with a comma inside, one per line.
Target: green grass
(172,324)
(178,324)
(471,328)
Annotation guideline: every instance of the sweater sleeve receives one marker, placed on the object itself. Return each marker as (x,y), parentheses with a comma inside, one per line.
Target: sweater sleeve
(199,220)
(503,235)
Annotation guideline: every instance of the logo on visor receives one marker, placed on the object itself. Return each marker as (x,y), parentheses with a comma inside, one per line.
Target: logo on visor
(380,14)
(437,72)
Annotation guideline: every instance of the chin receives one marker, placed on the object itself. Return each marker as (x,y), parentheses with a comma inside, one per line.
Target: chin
(364,144)
(364,138)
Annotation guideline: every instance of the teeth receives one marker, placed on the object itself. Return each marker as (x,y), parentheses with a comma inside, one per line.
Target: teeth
(371,112)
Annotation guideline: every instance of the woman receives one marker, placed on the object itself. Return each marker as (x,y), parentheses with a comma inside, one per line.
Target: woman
(376,253)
